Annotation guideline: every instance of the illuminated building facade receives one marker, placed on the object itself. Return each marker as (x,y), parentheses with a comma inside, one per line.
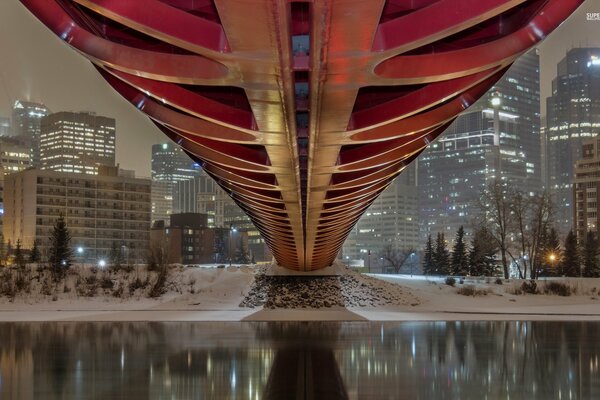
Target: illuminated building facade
(103,211)
(455,171)
(77,142)
(5,128)
(573,115)
(478,148)
(14,157)
(391,219)
(26,126)
(170,165)
(586,189)
(307,111)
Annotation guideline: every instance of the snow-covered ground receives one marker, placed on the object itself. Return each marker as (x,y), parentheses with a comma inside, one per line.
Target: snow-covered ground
(248,293)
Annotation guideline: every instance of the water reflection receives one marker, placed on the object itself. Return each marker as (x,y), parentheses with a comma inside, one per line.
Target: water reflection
(253,360)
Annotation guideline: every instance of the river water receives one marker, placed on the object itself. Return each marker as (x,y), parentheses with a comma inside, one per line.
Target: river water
(300,360)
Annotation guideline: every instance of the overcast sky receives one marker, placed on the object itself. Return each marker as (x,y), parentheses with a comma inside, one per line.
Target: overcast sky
(36,65)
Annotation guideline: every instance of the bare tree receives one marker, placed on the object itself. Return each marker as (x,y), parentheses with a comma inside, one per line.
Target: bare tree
(396,258)
(495,217)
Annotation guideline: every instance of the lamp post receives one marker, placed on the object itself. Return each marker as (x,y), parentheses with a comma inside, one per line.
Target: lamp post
(80,251)
(232,231)
(552,258)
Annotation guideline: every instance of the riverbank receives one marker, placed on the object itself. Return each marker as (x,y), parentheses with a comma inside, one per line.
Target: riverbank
(246,293)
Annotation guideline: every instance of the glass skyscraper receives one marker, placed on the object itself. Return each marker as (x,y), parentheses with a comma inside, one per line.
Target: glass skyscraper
(497,138)
(573,116)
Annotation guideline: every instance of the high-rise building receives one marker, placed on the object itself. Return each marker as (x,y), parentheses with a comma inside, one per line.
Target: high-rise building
(478,148)
(5,128)
(573,115)
(497,138)
(26,125)
(14,157)
(77,142)
(586,189)
(518,93)
(170,164)
(391,219)
(186,192)
(103,212)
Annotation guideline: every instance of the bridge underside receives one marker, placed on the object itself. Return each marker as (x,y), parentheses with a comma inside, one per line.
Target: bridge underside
(303,111)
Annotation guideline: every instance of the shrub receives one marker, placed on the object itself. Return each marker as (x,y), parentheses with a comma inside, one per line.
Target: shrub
(529,287)
(558,288)
(106,283)
(118,292)
(159,287)
(135,285)
(450,281)
(461,281)
(499,281)
(470,290)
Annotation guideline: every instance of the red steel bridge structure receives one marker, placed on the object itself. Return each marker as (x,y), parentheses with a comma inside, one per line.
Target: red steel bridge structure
(303,111)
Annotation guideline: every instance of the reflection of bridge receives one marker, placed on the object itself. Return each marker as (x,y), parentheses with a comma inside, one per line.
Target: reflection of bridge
(303,111)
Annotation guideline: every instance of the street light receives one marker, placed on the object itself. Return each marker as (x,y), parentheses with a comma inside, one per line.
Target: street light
(552,258)
(102,263)
(232,231)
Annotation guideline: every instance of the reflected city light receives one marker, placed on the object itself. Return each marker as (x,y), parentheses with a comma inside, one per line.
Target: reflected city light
(428,360)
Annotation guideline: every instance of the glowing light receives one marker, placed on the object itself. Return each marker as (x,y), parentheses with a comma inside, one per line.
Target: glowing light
(102,263)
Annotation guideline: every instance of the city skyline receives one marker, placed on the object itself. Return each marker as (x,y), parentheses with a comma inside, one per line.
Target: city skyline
(24,76)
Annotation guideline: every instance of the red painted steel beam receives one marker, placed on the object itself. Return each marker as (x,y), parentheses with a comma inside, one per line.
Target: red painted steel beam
(384,78)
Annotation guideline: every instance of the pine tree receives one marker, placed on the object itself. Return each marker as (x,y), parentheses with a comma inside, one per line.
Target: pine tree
(34,253)
(428,265)
(482,255)
(441,257)
(61,255)
(19,256)
(591,266)
(551,255)
(571,260)
(459,262)
(117,258)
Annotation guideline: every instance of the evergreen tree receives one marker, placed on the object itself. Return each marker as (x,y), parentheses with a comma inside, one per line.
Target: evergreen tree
(591,266)
(441,258)
(19,256)
(61,255)
(571,262)
(551,255)
(34,254)
(428,266)
(117,258)
(482,255)
(459,262)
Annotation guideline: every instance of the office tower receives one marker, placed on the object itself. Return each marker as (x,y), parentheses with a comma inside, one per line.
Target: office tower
(478,148)
(391,219)
(104,211)
(498,137)
(77,142)
(170,164)
(14,157)
(5,128)
(26,126)
(573,115)
(519,94)
(186,192)
(586,189)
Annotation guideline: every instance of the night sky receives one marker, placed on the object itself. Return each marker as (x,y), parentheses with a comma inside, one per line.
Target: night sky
(36,65)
